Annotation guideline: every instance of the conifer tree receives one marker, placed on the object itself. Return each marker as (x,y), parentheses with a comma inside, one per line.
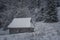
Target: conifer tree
(47,12)
(51,14)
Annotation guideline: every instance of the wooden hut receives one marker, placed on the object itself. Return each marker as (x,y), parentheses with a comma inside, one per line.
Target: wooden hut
(20,25)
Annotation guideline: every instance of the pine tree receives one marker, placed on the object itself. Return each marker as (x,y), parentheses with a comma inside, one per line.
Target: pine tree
(47,12)
(51,14)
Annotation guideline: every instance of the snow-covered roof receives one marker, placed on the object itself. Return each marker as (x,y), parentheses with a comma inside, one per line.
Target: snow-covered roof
(20,23)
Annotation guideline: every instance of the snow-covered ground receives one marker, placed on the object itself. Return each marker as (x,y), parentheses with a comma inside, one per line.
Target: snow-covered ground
(43,31)
(4,32)
(47,31)
(21,36)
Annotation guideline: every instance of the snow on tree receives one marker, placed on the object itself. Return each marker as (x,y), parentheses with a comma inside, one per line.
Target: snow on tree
(51,14)
(47,11)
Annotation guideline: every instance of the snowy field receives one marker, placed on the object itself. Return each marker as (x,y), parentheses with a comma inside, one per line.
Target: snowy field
(43,31)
